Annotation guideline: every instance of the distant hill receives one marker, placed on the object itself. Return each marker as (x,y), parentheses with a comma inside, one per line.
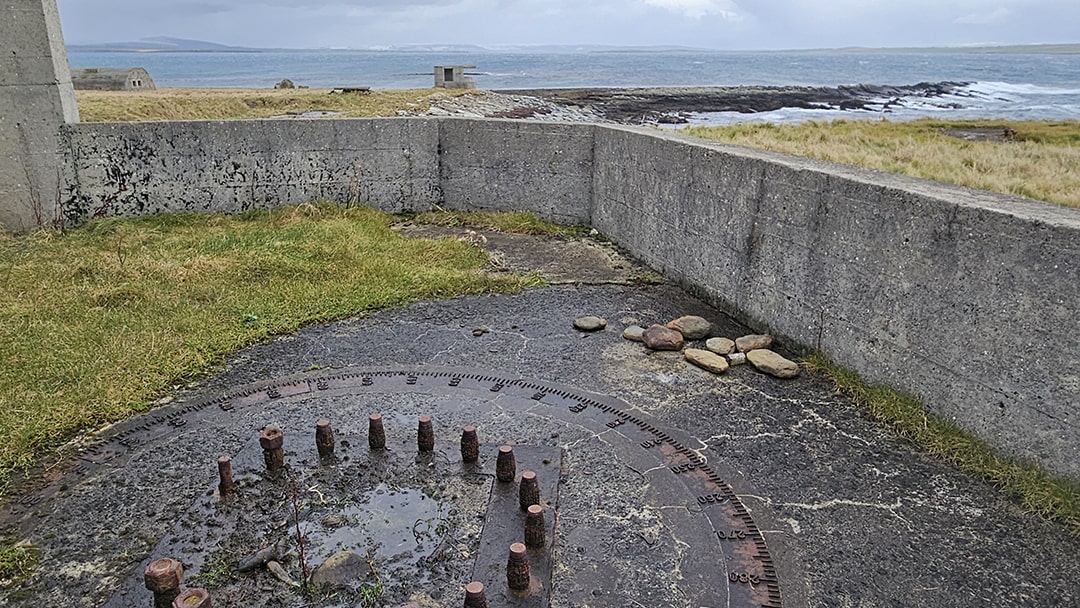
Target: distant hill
(158,43)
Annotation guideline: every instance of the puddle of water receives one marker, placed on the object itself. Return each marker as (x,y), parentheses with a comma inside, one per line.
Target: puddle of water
(385,524)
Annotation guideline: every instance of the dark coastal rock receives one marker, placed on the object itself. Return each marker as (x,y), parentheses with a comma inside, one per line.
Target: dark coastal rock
(658,337)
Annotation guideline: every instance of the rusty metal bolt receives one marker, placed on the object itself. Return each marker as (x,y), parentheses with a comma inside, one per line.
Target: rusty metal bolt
(324,438)
(470,445)
(517,568)
(195,597)
(474,595)
(376,436)
(163,578)
(425,435)
(271,439)
(505,466)
(534,527)
(528,490)
(226,485)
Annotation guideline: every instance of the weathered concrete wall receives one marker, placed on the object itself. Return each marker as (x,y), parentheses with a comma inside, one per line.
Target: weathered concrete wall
(36,99)
(967,299)
(510,165)
(130,169)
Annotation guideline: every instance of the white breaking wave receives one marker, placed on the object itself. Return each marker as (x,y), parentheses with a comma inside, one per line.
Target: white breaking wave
(1004,89)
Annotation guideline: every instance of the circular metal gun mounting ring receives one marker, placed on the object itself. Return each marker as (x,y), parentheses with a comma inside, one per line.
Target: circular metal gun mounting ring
(637,516)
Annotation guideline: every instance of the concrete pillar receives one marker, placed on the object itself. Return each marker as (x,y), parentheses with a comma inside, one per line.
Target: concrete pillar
(36,100)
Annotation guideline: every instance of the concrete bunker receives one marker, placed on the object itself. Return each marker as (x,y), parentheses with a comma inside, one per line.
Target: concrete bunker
(453,77)
(112,79)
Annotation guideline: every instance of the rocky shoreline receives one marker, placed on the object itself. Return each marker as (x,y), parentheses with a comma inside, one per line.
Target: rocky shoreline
(672,105)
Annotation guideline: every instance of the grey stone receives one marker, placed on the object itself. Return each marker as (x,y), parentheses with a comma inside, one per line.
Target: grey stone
(751,342)
(634,332)
(658,337)
(692,327)
(736,358)
(771,363)
(342,569)
(720,346)
(589,323)
(706,360)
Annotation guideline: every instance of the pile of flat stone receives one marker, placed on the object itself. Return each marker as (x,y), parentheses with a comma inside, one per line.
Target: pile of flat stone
(719,353)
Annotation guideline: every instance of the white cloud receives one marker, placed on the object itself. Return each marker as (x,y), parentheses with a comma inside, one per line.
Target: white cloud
(696,9)
(997,16)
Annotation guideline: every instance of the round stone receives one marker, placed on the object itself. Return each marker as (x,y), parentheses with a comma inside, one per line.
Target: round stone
(706,360)
(589,323)
(658,337)
(746,344)
(720,346)
(692,327)
(771,363)
(633,333)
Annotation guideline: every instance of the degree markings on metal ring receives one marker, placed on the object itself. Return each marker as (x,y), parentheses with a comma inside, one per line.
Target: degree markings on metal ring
(749,572)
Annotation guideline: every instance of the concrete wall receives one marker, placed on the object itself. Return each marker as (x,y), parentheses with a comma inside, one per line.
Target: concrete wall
(967,299)
(132,169)
(36,99)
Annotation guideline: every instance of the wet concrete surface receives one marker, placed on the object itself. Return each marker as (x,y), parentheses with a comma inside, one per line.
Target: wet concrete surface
(851,514)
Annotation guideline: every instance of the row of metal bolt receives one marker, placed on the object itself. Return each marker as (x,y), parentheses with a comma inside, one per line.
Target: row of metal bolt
(518,578)
(272,440)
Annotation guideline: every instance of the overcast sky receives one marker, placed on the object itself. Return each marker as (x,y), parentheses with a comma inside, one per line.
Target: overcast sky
(720,24)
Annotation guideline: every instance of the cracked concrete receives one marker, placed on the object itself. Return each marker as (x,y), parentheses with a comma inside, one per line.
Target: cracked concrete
(853,515)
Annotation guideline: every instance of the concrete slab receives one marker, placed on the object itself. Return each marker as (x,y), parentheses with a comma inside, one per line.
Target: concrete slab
(676,487)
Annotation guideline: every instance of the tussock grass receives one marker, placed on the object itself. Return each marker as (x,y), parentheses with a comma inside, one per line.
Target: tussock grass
(1041,160)
(1038,492)
(97,322)
(512,222)
(219,104)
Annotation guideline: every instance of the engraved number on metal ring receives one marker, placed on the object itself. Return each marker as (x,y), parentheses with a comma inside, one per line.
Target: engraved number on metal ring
(745,578)
(711,499)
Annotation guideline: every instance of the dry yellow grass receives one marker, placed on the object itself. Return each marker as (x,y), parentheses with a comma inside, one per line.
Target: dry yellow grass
(214,104)
(1041,159)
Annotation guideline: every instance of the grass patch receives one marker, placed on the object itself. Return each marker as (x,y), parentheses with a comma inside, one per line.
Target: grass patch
(17,561)
(1057,499)
(1039,161)
(96,323)
(513,222)
(220,104)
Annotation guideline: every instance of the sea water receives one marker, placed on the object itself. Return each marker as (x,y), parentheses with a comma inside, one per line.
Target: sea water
(1012,86)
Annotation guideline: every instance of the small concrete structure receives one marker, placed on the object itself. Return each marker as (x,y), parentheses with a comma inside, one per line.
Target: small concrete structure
(453,77)
(111,79)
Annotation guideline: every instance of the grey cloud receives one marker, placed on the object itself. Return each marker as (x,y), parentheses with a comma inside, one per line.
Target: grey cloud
(731,24)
